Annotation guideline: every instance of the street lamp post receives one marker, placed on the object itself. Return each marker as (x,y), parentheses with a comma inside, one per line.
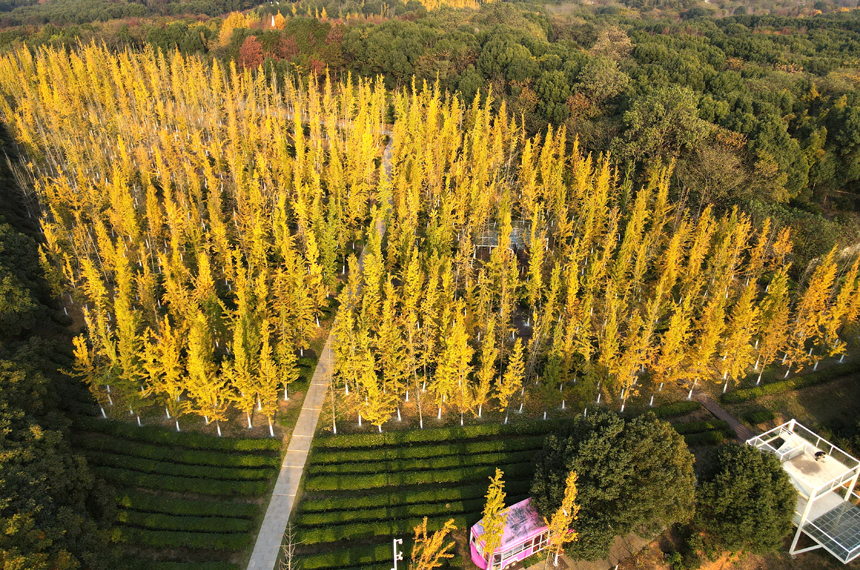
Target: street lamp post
(397,555)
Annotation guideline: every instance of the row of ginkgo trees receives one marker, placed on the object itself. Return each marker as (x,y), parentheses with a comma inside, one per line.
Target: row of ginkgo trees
(519,269)
(198,217)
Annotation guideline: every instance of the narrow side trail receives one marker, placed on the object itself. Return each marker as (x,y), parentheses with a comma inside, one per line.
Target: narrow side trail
(743,433)
(268,545)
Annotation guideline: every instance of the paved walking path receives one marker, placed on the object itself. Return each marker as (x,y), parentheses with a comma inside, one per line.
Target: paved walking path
(268,545)
(743,432)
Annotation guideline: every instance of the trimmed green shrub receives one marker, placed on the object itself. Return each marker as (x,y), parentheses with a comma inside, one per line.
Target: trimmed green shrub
(698,427)
(811,379)
(675,409)
(177,469)
(159,521)
(397,438)
(363,556)
(173,539)
(423,464)
(185,507)
(760,417)
(376,557)
(159,565)
(362,482)
(159,452)
(442,494)
(706,438)
(319,457)
(181,484)
(418,510)
(154,434)
(377,528)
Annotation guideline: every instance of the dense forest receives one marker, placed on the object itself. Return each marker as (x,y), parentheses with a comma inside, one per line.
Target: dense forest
(580,204)
(758,111)
(200,248)
(54,515)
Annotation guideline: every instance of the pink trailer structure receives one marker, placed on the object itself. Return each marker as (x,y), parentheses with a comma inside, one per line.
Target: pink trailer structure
(525,534)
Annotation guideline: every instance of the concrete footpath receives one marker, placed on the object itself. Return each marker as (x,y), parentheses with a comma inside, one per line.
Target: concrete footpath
(268,545)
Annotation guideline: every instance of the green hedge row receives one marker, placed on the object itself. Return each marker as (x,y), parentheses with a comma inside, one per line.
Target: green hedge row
(184,507)
(173,539)
(158,521)
(368,558)
(706,438)
(377,557)
(376,481)
(158,565)
(698,427)
(128,478)
(178,469)
(795,383)
(435,435)
(161,453)
(392,499)
(760,417)
(363,556)
(675,409)
(363,515)
(445,462)
(161,436)
(320,457)
(401,527)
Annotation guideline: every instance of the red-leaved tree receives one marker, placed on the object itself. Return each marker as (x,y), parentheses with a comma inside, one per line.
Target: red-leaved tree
(250,53)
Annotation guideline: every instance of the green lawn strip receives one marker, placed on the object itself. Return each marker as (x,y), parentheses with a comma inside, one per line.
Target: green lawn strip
(714,437)
(159,565)
(173,539)
(128,478)
(319,458)
(190,440)
(146,502)
(811,379)
(376,481)
(435,435)
(445,462)
(400,527)
(104,443)
(759,417)
(399,497)
(420,509)
(158,521)
(698,427)
(674,409)
(364,557)
(177,469)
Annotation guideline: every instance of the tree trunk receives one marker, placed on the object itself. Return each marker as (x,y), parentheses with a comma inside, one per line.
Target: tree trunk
(271,431)
(248,414)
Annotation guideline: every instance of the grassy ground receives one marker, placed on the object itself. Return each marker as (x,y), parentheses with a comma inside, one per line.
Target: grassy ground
(184,510)
(181,497)
(653,557)
(344,521)
(825,408)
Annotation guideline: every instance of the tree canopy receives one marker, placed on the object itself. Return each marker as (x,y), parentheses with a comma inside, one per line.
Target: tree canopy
(745,500)
(630,473)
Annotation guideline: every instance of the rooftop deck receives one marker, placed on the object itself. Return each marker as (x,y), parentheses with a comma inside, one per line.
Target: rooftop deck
(824,477)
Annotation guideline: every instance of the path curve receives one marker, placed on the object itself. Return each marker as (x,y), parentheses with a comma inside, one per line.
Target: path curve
(268,545)
(743,432)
